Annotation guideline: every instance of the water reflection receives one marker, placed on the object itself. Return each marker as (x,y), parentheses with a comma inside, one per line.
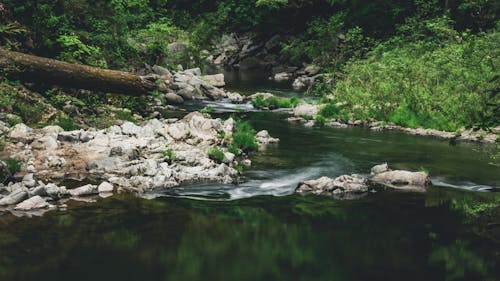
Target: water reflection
(387,236)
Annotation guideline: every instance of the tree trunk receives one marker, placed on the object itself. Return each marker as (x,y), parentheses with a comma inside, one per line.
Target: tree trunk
(33,68)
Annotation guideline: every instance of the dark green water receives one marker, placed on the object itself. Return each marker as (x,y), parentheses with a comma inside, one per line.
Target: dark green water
(264,233)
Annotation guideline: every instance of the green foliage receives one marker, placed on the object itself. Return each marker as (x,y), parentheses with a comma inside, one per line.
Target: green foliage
(76,51)
(329,111)
(125,115)
(244,137)
(239,168)
(275,102)
(234,150)
(10,33)
(12,167)
(207,109)
(154,39)
(329,42)
(443,84)
(216,154)
(169,154)
(2,142)
(66,123)
(271,3)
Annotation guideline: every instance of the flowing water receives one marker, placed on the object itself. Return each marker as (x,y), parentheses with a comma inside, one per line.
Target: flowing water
(258,230)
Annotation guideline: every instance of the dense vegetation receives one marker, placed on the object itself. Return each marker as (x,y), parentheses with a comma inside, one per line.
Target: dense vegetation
(411,62)
(444,83)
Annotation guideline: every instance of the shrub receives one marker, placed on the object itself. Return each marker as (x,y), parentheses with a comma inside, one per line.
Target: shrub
(329,111)
(12,166)
(169,154)
(234,150)
(66,123)
(434,84)
(244,137)
(216,155)
(275,102)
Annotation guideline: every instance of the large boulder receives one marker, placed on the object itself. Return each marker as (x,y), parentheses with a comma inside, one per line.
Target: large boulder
(263,137)
(378,169)
(21,132)
(282,77)
(15,197)
(85,190)
(312,69)
(216,80)
(174,98)
(343,187)
(305,109)
(34,203)
(48,143)
(302,82)
(105,187)
(403,180)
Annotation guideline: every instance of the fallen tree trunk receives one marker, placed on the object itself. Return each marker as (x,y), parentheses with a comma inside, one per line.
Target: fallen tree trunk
(33,68)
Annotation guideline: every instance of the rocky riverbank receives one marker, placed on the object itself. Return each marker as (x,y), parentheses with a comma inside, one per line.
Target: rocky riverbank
(184,85)
(355,186)
(159,154)
(306,114)
(248,52)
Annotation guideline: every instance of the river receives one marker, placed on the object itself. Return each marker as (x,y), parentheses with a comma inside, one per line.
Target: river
(259,230)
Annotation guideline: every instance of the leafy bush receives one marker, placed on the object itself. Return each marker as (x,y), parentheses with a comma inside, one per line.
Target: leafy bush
(216,155)
(77,51)
(275,102)
(234,150)
(12,166)
(443,84)
(329,111)
(169,154)
(244,137)
(66,123)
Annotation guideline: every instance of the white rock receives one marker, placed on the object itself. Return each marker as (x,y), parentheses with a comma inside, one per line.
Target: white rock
(55,191)
(306,109)
(28,180)
(35,202)
(282,76)
(379,169)
(263,137)
(45,143)
(228,157)
(52,130)
(53,161)
(129,128)
(15,197)
(105,187)
(20,132)
(85,190)
(216,80)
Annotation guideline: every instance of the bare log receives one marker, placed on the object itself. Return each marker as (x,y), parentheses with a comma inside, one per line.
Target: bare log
(34,68)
